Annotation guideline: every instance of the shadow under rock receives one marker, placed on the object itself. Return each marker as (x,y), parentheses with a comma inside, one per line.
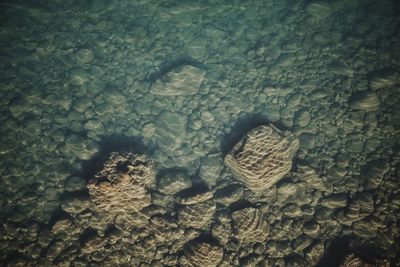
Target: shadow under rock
(114,143)
(244,124)
(340,247)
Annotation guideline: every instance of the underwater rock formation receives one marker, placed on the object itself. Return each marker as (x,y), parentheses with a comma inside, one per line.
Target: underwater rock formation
(262,157)
(120,187)
(199,254)
(185,80)
(250,225)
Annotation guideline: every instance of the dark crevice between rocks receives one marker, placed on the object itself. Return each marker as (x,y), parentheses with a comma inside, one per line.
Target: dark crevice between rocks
(114,143)
(340,247)
(244,124)
(58,215)
(87,235)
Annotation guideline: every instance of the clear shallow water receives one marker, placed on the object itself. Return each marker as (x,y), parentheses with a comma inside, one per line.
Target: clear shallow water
(182,82)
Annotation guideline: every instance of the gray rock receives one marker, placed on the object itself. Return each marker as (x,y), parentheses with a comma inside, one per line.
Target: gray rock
(373,173)
(182,81)
(340,68)
(314,253)
(311,228)
(82,148)
(365,100)
(210,169)
(334,201)
(173,181)
(382,78)
(318,9)
(74,183)
(170,131)
(229,194)
(302,118)
(292,211)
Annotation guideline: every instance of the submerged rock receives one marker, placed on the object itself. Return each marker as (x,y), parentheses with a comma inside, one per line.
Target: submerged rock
(250,225)
(365,100)
(173,181)
(382,78)
(199,254)
(170,131)
(182,81)
(197,215)
(318,9)
(121,187)
(262,157)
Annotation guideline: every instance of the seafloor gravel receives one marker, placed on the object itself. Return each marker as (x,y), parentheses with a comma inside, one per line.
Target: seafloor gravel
(177,85)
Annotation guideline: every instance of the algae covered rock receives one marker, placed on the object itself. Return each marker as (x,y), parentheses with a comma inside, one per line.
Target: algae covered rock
(121,187)
(262,157)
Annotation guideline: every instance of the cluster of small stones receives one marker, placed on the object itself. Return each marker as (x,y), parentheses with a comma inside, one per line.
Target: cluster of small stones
(327,71)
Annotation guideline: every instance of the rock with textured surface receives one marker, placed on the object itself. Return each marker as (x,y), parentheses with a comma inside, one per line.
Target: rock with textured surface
(334,201)
(364,100)
(262,157)
(228,194)
(382,78)
(373,173)
(182,81)
(250,225)
(318,9)
(121,187)
(199,254)
(170,131)
(173,181)
(197,215)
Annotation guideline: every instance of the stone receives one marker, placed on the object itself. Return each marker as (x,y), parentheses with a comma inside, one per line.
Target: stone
(74,183)
(291,211)
(221,232)
(262,157)
(302,118)
(311,228)
(340,68)
(229,194)
(318,9)
(173,181)
(334,201)
(351,260)
(82,148)
(185,80)
(198,197)
(54,249)
(78,76)
(61,225)
(382,78)
(197,215)
(314,253)
(250,225)
(210,169)
(121,187)
(373,172)
(200,254)
(366,203)
(170,132)
(75,205)
(364,100)
(278,249)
